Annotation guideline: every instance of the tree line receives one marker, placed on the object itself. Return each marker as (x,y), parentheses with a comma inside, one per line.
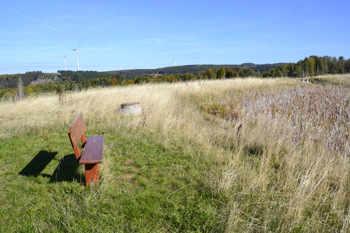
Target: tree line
(310,66)
(77,80)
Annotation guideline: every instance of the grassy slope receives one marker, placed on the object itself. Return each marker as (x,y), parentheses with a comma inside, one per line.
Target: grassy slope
(175,169)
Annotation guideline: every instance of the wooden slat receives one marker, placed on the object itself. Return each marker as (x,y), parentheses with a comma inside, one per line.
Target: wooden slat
(77,129)
(93,150)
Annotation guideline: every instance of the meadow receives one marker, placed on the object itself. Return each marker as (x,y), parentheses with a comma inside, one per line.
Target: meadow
(237,155)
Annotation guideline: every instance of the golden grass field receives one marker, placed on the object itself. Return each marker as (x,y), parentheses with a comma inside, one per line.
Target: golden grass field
(278,148)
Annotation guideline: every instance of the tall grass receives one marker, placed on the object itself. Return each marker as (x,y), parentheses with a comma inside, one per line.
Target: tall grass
(162,105)
(272,179)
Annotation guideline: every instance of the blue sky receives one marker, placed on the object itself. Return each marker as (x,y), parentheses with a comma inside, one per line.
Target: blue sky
(118,35)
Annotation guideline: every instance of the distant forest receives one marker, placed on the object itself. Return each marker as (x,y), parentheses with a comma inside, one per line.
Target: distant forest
(11,80)
(311,66)
(37,81)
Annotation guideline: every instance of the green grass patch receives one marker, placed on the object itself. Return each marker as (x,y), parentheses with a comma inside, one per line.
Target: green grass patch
(147,184)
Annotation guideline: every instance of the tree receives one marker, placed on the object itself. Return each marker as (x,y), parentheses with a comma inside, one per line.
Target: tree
(271,73)
(298,69)
(237,71)
(292,70)
(341,64)
(246,72)
(284,70)
(229,73)
(335,66)
(311,65)
(59,89)
(329,64)
(20,88)
(221,73)
(210,74)
(347,66)
(120,78)
(215,71)
(319,65)
(186,77)
(114,82)
(92,83)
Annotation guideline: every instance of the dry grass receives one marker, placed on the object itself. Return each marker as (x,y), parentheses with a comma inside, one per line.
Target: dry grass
(334,79)
(162,105)
(274,179)
(317,114)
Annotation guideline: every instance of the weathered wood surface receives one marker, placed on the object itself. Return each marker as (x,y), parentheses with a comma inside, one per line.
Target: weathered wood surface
(93,150)
(77,130)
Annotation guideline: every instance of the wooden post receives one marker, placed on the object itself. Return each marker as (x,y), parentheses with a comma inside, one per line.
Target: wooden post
(91,174)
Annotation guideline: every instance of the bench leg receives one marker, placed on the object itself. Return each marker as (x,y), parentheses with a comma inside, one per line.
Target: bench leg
(91,174)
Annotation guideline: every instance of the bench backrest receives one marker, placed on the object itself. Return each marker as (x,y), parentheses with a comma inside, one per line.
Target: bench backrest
(76,133)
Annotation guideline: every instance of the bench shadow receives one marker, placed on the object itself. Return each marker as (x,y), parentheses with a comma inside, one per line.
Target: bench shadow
(38,163)
(67,170)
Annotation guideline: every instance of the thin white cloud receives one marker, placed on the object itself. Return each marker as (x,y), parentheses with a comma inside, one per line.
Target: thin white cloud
(35,20)
(27,17)
(55,29)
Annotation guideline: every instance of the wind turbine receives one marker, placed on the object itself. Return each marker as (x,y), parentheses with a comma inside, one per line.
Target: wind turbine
(199,60)
(76,49)
(175,61)
(64,58)
(147,62)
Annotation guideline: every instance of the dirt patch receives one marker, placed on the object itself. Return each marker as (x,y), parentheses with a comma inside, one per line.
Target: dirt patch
(129,177)
(129,161)
(133,168)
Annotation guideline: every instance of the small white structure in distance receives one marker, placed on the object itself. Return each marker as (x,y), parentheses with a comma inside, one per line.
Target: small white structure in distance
(305,80)
(130,109)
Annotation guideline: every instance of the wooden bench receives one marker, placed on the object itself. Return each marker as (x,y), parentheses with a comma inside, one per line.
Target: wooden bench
(93,149)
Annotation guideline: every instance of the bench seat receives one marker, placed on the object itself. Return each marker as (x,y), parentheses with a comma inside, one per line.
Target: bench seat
(93,149)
